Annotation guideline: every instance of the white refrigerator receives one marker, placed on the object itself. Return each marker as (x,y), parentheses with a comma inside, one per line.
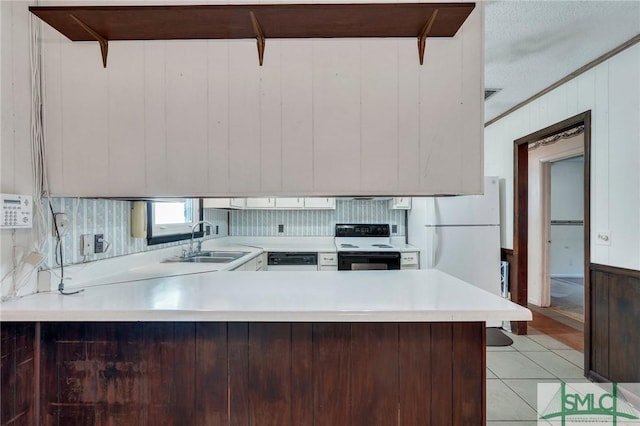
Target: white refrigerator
(460,235)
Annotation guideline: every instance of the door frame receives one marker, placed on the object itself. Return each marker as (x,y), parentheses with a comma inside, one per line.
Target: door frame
(545,177)
(519,288)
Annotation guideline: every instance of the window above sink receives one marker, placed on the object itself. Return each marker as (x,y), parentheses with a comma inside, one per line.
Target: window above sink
(172,220)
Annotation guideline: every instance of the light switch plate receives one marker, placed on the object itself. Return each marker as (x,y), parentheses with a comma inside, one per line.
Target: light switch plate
(603,237)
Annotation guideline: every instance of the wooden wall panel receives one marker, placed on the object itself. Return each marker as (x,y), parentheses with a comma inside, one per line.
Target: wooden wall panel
(212,372)
(238,338)
(302,374)
(249,374)
(157,353)
(468,374)
(614,339)
(17,374)
(379,146)
(415,387)
(624,321)
(441,374)
(297,117)
(600,323)
(374,374)
(331,353)
(269,374)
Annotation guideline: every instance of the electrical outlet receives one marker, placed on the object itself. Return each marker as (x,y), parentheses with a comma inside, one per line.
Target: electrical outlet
(61,222)
(603,237)
(98,243)
(207,230)
(394,229)
(280,228)
(87,242)
(217,230)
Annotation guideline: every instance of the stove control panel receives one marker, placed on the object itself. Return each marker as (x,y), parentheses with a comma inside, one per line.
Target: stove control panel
(362,230)
(17,211)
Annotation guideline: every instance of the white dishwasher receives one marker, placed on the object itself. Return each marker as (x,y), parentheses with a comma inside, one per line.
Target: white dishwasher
(292,261)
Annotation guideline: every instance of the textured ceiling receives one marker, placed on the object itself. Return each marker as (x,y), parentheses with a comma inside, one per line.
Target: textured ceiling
(530,45)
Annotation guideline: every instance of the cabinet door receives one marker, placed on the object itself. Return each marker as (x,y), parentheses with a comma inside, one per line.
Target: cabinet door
(237,203)
(223,203)
(251,265)
(400,203)
(320,203)
(409,260)
(216,203)
(328,261)
(261,262)
(290,203)
(261,203)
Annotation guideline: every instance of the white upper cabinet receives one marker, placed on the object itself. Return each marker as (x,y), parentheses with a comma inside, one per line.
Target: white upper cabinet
(320,203)
(224,203)
(260,203)
(290,203)
(400,203)
(321,118)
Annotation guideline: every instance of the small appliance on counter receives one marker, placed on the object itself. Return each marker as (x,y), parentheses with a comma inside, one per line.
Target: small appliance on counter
(365,247)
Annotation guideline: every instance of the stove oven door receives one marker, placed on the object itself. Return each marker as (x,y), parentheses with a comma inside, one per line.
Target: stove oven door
(364,261)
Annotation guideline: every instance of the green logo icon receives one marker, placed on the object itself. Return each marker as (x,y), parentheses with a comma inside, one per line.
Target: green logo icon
(584,404)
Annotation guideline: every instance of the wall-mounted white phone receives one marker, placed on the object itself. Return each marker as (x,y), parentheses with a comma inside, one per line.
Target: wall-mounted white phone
(17,211)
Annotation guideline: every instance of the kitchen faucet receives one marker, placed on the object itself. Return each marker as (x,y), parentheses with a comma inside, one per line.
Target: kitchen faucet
(193,230)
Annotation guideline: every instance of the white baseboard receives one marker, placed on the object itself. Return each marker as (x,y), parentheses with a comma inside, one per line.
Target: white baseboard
(567,276)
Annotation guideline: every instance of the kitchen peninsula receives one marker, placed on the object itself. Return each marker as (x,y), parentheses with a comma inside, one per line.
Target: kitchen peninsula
(251,348)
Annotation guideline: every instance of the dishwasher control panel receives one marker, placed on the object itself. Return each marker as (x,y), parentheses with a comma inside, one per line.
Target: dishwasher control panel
(292,258)
(17,211)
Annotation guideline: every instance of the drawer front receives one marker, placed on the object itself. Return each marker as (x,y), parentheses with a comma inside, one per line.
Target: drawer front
(328,268)
(328,259)
(409,258)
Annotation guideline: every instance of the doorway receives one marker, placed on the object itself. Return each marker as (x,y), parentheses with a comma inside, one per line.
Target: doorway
(520,284)
(564,220)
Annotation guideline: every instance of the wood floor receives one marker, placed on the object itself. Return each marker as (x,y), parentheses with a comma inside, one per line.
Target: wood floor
(567,331)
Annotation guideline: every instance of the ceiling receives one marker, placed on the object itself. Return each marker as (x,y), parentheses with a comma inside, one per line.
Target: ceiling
(530,45)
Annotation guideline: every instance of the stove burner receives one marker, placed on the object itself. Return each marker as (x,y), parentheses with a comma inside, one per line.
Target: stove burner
(382,245)
(345,245)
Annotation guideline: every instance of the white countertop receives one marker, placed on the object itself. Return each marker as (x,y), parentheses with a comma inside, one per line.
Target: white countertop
(363,296)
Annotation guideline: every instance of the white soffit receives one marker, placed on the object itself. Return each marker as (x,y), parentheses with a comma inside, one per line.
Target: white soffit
(530,45)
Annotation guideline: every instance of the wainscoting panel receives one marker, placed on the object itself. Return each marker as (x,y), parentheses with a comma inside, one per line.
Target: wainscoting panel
(614,324)
(17,374)
(252,374)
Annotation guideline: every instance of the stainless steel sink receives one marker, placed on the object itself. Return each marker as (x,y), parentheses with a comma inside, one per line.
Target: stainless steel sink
(232,254)
(205,259)
(210,257)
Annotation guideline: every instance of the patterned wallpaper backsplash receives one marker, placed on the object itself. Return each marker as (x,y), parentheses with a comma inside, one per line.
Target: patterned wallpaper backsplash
(313,223)
(111,218)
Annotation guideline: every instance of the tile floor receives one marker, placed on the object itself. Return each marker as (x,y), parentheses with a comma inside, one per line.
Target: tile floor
(513,373)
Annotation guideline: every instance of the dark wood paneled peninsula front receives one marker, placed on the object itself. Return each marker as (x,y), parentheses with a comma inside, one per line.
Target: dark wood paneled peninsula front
(344,365)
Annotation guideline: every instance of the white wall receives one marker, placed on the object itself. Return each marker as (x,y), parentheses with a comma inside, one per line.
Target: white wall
(612,92)
(15,148)
(322,116)
(567,242)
